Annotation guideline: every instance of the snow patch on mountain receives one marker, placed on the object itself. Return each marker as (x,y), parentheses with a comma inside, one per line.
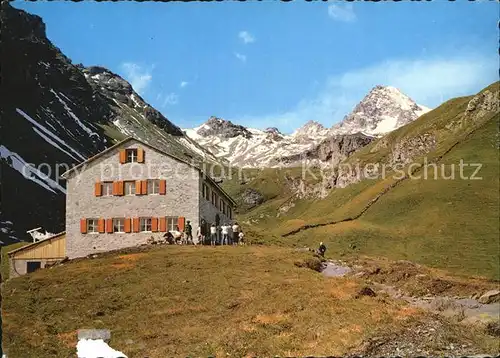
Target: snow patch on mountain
(52,143)
(28,171)
(72,115)
(49,133)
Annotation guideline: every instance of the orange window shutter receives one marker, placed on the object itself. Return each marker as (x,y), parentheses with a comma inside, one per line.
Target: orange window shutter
(135,224)
(115,188)
(127,225)
(180,222)
(109,226)
(98,189)
(123,156)
(138,190)
(100,225)
(83,226)
(140,155)
(163,187)
(154,224)
(120,186)
(144,187)
(163,224)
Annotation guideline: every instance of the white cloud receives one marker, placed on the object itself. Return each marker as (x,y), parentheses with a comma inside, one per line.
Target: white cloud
(342,12)
(428,81)
(240,57)
(183,84)
(169,99)
(246,37)
(138,77)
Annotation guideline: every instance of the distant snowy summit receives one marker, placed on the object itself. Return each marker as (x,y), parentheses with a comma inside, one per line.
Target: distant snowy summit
(383,110)
(311,129)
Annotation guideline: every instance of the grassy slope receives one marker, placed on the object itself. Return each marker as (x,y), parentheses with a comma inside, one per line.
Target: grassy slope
(181,301)
(451,224)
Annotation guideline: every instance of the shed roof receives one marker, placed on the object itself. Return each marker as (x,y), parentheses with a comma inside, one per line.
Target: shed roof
(34,244)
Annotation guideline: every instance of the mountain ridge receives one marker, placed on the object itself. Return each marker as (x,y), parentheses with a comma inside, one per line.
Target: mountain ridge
(381,111)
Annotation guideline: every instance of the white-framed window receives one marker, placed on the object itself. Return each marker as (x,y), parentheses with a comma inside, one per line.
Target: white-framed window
(130,155)
(129,187)
(153,186)
(107,188)
(92,226)
(172,222)
(119,225)
(145,224)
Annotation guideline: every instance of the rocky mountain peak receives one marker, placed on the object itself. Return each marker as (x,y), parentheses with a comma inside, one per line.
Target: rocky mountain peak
(273,134)
(107,79)
(382,110)
(22,25)
(273,130)
(117,89)
(222,128)
(310,129)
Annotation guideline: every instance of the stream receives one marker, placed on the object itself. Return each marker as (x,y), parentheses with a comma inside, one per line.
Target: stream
(470,309)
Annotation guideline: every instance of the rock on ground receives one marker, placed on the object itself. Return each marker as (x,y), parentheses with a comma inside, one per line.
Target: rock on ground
(490,297)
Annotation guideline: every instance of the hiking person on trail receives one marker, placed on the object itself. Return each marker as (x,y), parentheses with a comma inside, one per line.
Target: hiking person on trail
(213,235)
(321,249)
(225,234)
(236,232)
(189,232)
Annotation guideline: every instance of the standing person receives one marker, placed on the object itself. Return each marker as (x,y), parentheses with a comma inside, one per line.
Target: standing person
(213,235)
(177,235)
(236,232)
(229,234)
(189,232)
(202,232)
(225,234)
(322,249)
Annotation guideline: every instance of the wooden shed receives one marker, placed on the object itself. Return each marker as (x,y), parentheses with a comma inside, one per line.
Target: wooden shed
(37,255)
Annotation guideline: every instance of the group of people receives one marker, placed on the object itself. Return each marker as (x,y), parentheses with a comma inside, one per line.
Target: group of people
(214,235)
(220,235)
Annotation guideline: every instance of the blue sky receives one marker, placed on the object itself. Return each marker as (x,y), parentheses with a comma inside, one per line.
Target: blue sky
(279,64)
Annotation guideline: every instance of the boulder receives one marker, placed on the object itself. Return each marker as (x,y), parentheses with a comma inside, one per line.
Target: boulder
(366,291)
(490,297)
(252,197)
